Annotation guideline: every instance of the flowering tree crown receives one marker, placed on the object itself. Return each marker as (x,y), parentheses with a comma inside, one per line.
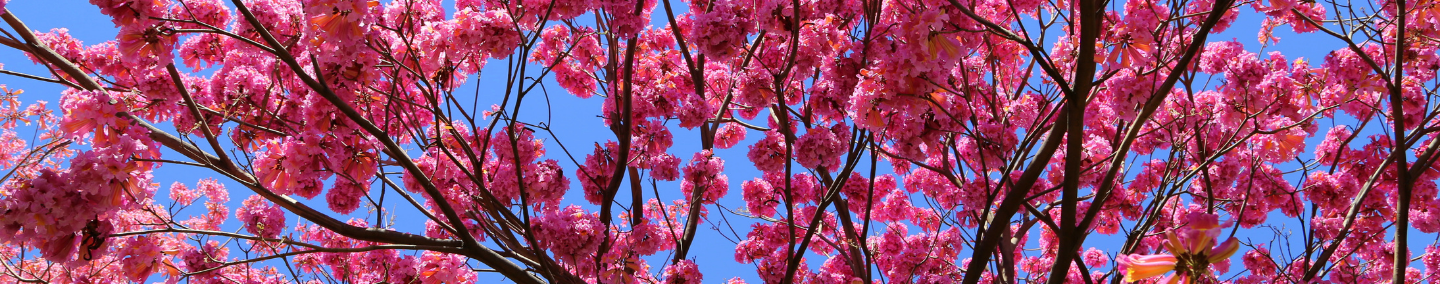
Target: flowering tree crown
(829,141)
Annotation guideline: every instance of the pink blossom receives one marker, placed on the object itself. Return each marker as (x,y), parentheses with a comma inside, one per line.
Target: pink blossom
(706,174)
(721,31)
(571,233)
(487,33)
(261,217)
(131,12)
(684,271)
(769,153)
(822,147)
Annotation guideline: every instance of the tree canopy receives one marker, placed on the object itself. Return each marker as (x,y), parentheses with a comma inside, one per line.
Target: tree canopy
(825,141)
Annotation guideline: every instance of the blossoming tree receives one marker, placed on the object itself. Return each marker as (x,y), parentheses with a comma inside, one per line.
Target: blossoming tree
(900,141)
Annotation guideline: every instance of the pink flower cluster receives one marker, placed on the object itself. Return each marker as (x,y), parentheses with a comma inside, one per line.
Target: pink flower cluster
(706,173)
(571,233)
(488,34)
(261,217)
(721,31)
(684,272)
(823,147)
(544,182)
